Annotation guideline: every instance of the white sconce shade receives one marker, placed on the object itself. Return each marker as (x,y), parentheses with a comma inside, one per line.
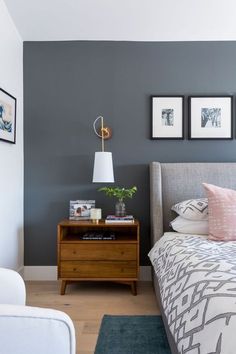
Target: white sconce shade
(103,167)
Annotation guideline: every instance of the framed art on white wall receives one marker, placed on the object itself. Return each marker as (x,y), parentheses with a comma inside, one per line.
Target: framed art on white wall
(210,117)
(7,117)
(167,117)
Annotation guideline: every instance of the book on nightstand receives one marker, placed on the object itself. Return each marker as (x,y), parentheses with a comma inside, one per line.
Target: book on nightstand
(112,219)
(89,236)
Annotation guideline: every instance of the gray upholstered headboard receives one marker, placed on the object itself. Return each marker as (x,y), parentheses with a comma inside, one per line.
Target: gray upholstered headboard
(174,182)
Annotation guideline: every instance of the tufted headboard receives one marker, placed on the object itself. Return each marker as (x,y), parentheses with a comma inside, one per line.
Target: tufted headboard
(171,183)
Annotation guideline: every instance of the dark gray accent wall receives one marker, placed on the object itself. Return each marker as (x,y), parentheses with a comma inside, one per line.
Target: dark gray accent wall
(68,84)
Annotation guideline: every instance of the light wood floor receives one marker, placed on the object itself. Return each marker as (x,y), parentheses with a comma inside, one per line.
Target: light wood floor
(87,302)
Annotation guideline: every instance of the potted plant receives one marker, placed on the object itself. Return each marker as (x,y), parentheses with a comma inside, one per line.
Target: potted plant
(121,194)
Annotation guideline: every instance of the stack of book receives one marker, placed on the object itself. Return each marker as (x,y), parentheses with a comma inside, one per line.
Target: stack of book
(112,219)
(98,236)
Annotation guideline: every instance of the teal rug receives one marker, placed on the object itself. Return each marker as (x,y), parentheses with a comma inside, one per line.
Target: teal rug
(132,335)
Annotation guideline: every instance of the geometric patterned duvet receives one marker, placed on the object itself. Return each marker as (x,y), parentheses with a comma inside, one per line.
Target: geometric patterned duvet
(197,280)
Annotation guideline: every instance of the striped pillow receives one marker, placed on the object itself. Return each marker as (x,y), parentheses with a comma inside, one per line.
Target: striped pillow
(222,213)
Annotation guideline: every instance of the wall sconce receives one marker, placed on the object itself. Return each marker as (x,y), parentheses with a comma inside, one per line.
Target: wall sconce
(103,165)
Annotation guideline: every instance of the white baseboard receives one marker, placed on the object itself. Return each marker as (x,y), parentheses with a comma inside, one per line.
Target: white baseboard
(40,273)
(50,273)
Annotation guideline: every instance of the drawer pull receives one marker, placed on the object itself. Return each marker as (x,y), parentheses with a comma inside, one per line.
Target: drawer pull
(74,252)
(74,269)
(122,253)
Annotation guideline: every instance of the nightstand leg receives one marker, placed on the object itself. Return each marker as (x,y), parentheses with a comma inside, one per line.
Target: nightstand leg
(63,287)
(134,287)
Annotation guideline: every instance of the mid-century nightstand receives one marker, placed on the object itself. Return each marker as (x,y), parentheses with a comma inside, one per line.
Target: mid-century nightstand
(101,260)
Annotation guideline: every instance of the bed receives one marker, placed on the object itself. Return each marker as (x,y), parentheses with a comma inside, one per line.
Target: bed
(202,331)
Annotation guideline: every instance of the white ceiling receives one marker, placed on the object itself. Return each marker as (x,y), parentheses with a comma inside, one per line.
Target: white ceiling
(136,20)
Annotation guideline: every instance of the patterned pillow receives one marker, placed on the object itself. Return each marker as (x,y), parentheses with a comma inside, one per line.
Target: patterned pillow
(192,209)
(222,213)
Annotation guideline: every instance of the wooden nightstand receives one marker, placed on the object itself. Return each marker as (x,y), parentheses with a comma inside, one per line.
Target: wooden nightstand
(101,260)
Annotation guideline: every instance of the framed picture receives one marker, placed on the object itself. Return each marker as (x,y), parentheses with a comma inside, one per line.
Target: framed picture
(210,117)
(167,117)
(80,209)
(7,117)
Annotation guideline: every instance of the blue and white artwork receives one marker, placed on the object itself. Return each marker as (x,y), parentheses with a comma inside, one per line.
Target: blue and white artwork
(7,116)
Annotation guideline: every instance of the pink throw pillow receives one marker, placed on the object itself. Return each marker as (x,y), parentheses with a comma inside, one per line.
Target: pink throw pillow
(222,213)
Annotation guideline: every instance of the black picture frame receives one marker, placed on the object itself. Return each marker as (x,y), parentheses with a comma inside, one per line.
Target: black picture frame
(7,117)
(210,117)
(167,117)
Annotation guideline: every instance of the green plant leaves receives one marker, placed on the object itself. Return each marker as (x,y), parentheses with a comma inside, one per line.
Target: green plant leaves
(117,192)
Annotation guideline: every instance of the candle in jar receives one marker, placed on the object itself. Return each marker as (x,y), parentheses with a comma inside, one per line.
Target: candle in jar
(95,214)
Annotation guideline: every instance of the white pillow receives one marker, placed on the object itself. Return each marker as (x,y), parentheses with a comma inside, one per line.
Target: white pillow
(192,209)
(185,226)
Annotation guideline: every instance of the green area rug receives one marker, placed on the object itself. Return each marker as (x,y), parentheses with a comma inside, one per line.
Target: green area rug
(132,335)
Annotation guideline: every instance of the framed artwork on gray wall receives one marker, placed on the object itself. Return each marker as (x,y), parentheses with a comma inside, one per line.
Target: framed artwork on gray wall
(210,117)
(7,117)
(167,117)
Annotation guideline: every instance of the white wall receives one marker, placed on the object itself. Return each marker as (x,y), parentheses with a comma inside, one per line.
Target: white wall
(134,20)
(11,156)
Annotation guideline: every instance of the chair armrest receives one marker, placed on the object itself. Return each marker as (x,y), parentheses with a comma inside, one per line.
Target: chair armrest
(25,329)
(12,287)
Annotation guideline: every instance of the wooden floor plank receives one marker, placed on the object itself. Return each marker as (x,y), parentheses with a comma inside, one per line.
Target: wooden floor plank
(87,302)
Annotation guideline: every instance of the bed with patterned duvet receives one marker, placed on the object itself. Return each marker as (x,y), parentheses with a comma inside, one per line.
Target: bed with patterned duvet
(197,281)
(194,277)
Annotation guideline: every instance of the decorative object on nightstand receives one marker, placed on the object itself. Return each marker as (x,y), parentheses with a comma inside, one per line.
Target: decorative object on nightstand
(112,219)
(81,209)
(95,215)
(101,252)
(103,164)
(120,194)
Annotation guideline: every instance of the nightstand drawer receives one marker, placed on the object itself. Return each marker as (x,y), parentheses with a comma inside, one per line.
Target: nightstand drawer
(98,269)
(102,251)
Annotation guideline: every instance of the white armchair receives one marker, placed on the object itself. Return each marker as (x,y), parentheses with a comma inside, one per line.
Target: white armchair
(30,330)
